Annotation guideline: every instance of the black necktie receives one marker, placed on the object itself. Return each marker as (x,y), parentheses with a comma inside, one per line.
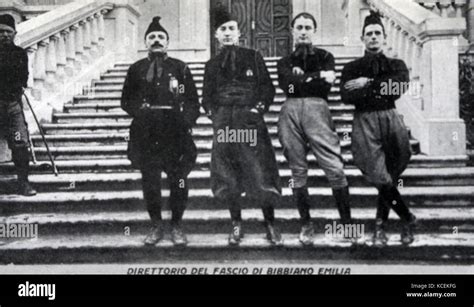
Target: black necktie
(230,56)
(155,71)
(303,51)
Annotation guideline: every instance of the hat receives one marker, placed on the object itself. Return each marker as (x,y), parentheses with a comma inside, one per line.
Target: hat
(155,26)
(373,19)
(222,16)
(7,20)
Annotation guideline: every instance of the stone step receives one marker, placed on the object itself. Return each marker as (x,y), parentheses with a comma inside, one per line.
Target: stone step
(197,76)
(199,70)
(106,163)
(202,199)
(95,139)
(123,165)
(429,220)
(130,249)
(119,82)
(114,107)
(204,147)
(200,179)
(80,125)
(270,62)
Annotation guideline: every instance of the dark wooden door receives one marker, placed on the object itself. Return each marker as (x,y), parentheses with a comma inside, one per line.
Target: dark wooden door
(264,24)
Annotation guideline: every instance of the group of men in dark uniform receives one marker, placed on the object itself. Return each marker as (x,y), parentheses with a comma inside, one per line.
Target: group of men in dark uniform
(160,95)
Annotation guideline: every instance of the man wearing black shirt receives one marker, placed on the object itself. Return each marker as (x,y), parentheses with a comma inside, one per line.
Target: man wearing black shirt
(237,92)
(305,121)
(13,78)
(380,142)
(160,94)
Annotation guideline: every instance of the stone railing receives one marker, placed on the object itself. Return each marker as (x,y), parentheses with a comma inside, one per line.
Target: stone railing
(454,9)
(71,45)
(428,44)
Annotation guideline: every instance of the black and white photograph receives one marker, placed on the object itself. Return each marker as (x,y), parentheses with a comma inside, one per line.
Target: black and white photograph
(237,137)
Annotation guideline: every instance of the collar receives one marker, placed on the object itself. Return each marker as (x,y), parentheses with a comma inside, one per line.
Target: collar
(153,56)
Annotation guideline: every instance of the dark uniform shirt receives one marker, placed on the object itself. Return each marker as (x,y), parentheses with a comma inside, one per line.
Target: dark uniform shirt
(390,77)
(296,86)
(160,135)
(13,72)
(249,81)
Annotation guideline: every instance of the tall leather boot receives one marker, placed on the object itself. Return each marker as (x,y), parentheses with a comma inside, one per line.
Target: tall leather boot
(178,200)
(21,159)
(151,181)
(301,198)
(394,200)
(236,235)
(380,238)
(273,234)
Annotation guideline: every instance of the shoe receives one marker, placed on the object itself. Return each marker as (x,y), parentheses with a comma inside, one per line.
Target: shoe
(178,236)
(155,235)
(25,189)
(235,237)
(273,235)
(407,237)
(306,234)
(380,238)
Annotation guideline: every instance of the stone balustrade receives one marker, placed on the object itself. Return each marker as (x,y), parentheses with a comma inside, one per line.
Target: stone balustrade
(454,9)
(428,43)
(70,46)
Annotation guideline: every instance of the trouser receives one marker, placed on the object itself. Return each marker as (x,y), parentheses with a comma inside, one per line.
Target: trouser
(381,149)
(306,123)
(151,181)
(244,165)
(13,127)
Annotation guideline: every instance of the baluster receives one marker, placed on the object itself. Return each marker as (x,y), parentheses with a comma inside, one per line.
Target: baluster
(391,38)
(443,7)
(94,37)
(458,7)
(61,57)
(31,51)
(40,69)
(396,46)
(70,51)
(87,41)
(411,60)
(51,64)
(79,36)
(101,27)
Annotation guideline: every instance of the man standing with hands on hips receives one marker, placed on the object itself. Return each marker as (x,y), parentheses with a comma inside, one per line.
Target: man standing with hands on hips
(237,92)
(380,141)
(13,79)
(160,94)
(306,76)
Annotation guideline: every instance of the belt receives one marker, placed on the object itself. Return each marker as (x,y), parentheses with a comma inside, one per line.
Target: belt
(161,108)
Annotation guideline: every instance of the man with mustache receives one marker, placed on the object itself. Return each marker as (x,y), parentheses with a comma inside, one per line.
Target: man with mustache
(13,79)
(237,92)
(380,142)
(160,94)
(305,122)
